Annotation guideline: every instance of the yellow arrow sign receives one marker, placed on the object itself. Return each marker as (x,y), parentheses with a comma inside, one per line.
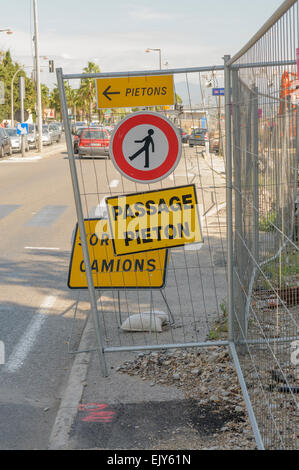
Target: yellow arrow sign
(127,92)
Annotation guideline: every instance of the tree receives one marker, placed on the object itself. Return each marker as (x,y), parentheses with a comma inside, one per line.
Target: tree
(87,90)
(45,98)
(54,102)
(8,69)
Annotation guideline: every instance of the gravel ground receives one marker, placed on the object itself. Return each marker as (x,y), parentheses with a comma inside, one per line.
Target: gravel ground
(221,420)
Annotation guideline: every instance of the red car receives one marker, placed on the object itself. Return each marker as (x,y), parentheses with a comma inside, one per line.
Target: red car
(94,142)
(77,138)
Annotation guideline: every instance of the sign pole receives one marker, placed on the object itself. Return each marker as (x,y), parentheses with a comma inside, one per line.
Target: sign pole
(73,170)
(22,93)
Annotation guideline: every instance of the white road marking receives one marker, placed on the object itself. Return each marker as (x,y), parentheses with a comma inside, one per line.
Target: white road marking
(41,248)
(21,159)
(24,346)
(113,183)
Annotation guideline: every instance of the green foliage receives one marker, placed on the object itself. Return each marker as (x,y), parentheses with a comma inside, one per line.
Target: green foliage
(220,328)
(266,223)
(9,71)
(87,91)
(283,271)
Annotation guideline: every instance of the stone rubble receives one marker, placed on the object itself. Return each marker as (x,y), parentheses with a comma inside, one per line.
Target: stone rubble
(206,376)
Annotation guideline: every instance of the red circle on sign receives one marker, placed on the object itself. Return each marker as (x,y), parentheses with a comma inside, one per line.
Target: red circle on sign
(169,163)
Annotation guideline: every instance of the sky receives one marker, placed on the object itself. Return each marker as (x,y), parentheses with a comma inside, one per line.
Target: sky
(115,33)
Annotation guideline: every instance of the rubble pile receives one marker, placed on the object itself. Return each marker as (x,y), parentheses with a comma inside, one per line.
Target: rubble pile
(206,376)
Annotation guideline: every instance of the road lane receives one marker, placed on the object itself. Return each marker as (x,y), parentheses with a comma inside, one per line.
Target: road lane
(33,327)
(34,267)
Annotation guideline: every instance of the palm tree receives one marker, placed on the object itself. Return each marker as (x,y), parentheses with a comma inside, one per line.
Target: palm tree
(54,101)
(73,99)
(45,98)
(87,90)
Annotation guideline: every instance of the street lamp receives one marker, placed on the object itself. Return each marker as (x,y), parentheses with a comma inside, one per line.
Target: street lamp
(157,50)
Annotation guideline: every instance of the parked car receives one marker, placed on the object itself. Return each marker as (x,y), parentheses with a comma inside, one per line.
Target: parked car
(77,138)
(46,135)
(5,145)
(198,137)
(184,135)
(55,132)
(94,142)
(16,140)
(214,144)
(78,124)
(60,125)
(32,136)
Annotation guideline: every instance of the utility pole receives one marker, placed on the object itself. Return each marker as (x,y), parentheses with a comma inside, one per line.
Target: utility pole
(38,87)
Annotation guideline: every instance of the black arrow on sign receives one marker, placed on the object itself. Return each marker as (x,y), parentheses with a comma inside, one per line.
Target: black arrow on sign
(106,93)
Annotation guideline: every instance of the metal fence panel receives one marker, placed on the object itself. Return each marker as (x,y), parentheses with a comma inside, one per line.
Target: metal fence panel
(248,265)
(194,295)
(266,259)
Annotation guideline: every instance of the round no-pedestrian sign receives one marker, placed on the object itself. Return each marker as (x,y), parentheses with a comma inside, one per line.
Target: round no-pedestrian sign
(145,147)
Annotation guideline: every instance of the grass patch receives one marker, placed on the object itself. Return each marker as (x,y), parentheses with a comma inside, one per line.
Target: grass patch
(221,326)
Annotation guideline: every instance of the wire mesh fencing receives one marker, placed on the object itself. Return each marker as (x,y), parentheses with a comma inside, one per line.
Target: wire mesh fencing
(265,127)
(243,164)
(193,293)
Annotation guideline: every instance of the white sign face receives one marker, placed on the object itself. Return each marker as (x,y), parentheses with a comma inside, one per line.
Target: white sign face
(145,147)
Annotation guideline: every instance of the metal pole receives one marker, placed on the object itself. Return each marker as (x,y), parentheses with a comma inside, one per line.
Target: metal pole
(73,170)
(255,149)
(239,300)
(38,87)
(21,95)
(11,97)
(254,425)
(229,202)
(142,73)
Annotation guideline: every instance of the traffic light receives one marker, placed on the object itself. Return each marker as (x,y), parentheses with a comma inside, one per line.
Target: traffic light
(179,107)
(51,66)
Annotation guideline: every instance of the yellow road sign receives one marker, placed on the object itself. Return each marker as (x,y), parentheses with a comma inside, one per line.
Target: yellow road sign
(126,92)
(154,220)
(146,270)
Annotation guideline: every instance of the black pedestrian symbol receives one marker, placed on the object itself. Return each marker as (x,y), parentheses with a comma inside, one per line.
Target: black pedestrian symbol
(147,142)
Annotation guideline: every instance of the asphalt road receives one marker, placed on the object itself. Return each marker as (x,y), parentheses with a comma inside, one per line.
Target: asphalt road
(37,218)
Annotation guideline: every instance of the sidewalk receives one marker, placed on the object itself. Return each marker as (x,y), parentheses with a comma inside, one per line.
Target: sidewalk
(215,162)
(34,154)
(174,399)
(134,408)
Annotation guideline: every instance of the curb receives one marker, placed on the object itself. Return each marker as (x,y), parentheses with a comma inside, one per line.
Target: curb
(59,438)
(51,151)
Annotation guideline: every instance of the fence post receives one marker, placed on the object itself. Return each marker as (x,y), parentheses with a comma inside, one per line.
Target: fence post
(239,297)
(73,170)
(255,151)
(229,199)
